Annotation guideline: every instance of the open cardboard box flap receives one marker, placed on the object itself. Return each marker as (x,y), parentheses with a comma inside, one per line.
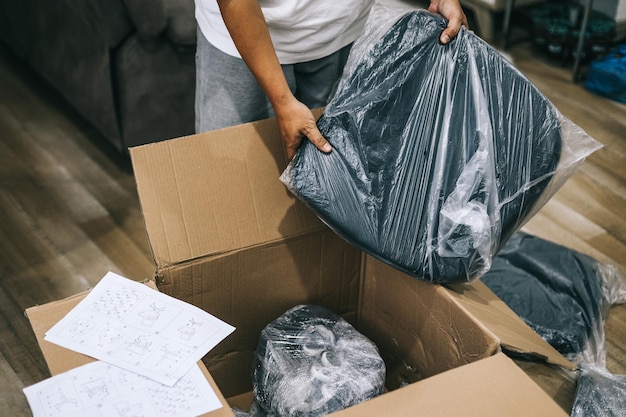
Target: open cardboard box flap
(214,193)
(218,192)
(486,391)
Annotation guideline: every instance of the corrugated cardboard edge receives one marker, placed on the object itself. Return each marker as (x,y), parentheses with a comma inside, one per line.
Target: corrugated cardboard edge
(491,315)
(42,318)
(60,359)
(395,309)
(515,335)
(497,378)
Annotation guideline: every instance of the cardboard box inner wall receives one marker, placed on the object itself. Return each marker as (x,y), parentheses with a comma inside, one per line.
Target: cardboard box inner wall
(227,236)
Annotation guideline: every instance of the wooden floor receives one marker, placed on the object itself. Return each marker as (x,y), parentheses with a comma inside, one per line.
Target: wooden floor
(69,213)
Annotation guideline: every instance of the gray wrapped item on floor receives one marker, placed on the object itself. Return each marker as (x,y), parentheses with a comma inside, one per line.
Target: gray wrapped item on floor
(562,294)
(599,393)
(440,152)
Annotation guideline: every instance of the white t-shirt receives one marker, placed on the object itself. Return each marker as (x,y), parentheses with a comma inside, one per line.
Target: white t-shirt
(301,30)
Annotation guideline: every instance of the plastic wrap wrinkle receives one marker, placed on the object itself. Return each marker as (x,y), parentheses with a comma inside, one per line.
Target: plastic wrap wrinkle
(441,152)
(613,284)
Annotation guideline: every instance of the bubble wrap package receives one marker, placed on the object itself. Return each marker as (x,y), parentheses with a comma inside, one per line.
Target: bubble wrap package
(599,393)
(440,152)
(562,294)
(311,362)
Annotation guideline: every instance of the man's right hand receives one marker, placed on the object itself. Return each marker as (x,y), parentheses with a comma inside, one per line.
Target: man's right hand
(297,123)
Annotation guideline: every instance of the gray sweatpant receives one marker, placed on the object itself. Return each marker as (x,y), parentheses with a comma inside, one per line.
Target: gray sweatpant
(227,93)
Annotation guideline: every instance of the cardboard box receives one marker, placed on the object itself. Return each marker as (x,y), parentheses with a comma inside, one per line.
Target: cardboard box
(228,237)
(493,385)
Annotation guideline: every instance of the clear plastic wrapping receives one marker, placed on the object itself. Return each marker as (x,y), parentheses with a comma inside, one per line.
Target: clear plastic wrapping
(599,393)
(239,412)
(441,152)
(311,362)
(564,295)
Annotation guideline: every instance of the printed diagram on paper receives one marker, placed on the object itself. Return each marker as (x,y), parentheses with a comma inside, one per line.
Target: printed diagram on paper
(126,323)
(102,390)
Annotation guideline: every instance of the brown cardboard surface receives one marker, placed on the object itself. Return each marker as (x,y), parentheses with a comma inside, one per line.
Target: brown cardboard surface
(491,386)
(216,192)
(417,328)
(60,359)
(42,318)
(251,287)
(513,333)
(494,386)
(477,389)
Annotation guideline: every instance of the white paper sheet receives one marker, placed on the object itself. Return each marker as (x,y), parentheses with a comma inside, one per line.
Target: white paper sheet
(127,324)
(102,390)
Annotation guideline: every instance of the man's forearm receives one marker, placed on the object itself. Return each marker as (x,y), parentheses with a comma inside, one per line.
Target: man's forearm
(246,25)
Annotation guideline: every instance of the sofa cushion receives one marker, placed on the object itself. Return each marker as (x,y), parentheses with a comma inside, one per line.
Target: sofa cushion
(71,49)
(155,91)
(175,18)
(181,21)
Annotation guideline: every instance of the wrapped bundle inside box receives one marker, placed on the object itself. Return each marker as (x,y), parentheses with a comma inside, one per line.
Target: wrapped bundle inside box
(440,152)
(311,362)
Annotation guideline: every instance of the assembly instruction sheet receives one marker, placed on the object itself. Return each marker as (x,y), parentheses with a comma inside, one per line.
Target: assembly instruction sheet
(127,324)
(102,390)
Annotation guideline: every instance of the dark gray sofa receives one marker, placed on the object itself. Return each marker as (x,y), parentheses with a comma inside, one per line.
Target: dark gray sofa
(126,66)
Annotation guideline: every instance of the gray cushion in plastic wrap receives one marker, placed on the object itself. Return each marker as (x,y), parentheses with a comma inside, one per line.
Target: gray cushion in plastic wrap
(311,362)
(555,290)
(439,151)
(564,295)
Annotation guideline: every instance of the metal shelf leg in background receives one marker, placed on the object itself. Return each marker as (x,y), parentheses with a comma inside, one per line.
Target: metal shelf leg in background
(581,40)
(506,29)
